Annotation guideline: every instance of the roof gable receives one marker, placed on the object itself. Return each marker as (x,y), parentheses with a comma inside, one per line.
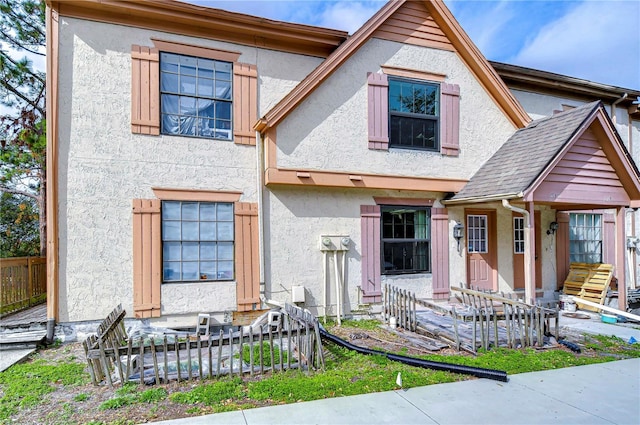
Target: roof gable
(425,23)
(572,157)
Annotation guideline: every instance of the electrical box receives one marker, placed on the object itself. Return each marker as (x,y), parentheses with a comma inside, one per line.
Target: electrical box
(297,294)
(334,243)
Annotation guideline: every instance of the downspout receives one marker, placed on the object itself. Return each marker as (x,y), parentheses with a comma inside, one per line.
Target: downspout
(529,294)
(613,108)
(260,184)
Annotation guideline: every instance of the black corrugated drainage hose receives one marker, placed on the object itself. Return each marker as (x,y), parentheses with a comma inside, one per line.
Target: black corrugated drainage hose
(496,375)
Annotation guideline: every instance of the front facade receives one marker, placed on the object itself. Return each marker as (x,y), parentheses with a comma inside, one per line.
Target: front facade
(203,161)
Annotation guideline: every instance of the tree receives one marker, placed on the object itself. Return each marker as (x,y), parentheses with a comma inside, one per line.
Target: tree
(22,120)
(18,226)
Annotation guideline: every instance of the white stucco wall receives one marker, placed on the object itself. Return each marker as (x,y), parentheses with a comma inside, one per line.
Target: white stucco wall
(328,131)
(296,219)
(103,166)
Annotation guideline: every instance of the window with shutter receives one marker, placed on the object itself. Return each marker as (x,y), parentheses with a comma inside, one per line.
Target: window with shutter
(205,92)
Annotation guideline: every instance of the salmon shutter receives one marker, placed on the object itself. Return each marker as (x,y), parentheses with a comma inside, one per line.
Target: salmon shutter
(450,116)
(247,256)
(145,90)
(378,105)
(245,103)
(440,252)
(370,229)
(147,258)
(562,248)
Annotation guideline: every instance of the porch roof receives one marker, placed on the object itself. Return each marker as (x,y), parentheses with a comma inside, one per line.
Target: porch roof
(527,158)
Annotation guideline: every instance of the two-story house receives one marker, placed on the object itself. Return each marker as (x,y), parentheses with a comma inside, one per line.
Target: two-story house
(203,161)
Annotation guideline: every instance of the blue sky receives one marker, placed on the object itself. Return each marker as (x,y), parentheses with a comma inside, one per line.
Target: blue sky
(597,40)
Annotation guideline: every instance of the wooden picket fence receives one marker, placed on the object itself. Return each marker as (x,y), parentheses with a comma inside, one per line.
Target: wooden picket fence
(23,283)
(399,305)
(290,341)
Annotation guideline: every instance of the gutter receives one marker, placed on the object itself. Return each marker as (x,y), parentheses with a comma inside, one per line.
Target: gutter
(477,199)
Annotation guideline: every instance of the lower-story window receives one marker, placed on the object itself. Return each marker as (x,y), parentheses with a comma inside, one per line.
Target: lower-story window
(197,241)
(406,239)
(585,238)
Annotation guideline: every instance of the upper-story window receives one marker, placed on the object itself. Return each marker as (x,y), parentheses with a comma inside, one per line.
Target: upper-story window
(406,238)
(196,96)
(413,114)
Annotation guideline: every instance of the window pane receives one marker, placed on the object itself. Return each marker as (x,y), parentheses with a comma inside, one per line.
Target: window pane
(187,85)
(171,230)
(190,271)
(171,271)
(223,110)
(208,251)
(188,65)
(225,231)
(225,270)
(225,251)
(189,231)
(208,231)
(225,212)
(190,251)
(169,82)
(208,270)
(413,132)
(169,62)
(223,90)
(171,251)
(205,87)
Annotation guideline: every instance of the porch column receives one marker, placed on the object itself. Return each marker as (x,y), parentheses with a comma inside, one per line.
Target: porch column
(620,262)
(530,255)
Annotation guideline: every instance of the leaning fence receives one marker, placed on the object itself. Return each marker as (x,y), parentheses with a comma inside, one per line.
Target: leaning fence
(289,339)
(23,283)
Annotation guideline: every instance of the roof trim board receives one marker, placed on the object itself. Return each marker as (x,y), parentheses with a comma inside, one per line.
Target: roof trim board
(199,21)
(464,47)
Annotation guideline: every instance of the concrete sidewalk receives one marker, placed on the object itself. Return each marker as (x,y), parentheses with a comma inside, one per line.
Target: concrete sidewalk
(606,393)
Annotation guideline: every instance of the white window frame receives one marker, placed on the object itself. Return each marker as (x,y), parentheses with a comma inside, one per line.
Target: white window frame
(477,234)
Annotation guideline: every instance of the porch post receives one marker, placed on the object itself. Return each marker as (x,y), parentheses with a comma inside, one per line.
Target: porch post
(620,254)
(529,255)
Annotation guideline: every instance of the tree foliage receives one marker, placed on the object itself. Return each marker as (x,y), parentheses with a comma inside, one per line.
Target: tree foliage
(22,115)
(18,226)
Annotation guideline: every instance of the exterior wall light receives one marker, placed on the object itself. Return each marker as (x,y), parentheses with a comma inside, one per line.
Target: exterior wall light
(458,233)
(553,226)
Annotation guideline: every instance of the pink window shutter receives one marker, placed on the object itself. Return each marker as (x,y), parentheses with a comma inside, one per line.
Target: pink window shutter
(378,104)
(440,252)
(245,103)
(450,116)
(370,229)
(247,258)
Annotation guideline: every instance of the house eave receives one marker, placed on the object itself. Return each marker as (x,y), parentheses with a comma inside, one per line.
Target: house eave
(482,199)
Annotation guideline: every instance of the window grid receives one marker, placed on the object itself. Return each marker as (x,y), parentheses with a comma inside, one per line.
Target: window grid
(196,96)
(406,240)
(585,238)
(414,110)
(197,241)
(477,234)
(518,235)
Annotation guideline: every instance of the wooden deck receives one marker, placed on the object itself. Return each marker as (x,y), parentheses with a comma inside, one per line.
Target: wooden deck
(36,315)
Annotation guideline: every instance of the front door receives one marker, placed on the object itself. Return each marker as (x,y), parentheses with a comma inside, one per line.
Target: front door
(482,264)
(518,250)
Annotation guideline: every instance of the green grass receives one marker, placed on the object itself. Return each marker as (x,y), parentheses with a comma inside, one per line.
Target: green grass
(130,394)
(266,355)
(27,385)
(211,394)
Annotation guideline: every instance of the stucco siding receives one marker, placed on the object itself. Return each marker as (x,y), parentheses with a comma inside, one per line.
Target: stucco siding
(296,219)
(328,131)
(103,166)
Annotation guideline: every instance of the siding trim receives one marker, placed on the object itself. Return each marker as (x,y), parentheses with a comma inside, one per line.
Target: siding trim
(370,255)
(147,258)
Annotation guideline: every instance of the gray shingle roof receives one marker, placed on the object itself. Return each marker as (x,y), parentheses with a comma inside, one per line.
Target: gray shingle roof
(516,165)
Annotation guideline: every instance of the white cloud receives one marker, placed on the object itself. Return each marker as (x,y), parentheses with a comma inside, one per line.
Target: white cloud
(596,40)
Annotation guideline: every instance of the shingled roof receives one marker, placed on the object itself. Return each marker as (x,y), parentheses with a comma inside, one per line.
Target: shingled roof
(517,164)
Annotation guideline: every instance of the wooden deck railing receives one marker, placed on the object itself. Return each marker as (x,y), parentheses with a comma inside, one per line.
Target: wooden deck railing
(23,283)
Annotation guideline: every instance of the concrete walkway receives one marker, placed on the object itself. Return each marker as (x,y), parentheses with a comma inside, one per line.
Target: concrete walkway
(607,393)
